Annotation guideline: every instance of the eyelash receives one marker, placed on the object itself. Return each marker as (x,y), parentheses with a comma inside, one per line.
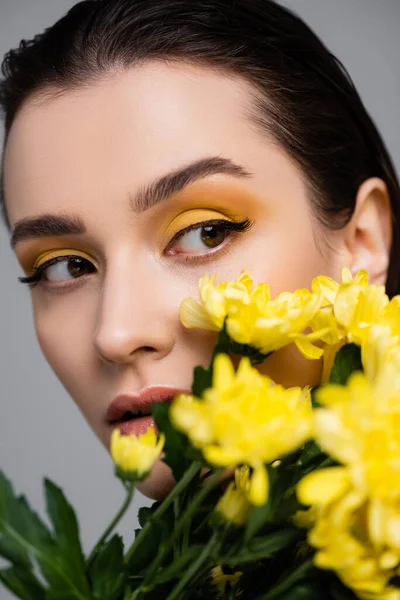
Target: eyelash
(231,226)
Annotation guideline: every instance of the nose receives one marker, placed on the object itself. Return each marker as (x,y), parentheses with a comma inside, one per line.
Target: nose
(135,315)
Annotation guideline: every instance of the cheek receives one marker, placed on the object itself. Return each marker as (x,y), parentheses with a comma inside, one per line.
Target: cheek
(288,258)
(64,336)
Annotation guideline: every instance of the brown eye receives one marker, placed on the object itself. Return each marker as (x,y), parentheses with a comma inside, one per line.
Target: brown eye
(199,238)
(196,240)
(79,266)
(213,235)
(59,269)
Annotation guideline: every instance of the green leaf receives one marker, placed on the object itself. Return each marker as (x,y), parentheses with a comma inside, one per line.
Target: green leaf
(314,394)
(256,356)
(310,459)
(261,515)
(145,512)
(306,591)
(22,583)
(311,453)
(66,532)
(160,531)
(20,526)
(280,480)
(289,581)
(258,517)
(202,379)
(176,443)
(108,572)
(347,360)
(25,534)
(12,551)
(178,566)
(148,549)
(262,547)
(63,594)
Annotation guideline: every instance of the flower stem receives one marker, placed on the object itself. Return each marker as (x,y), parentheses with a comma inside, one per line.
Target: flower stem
(282,586)
(130,489)
(195,567)
(190,473)
(150,578)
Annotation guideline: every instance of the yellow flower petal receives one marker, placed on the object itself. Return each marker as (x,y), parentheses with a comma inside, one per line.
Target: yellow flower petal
(223,372)
(259,486)
(325,285)
(323,486)
(193,314)
(308,349)
(233,506)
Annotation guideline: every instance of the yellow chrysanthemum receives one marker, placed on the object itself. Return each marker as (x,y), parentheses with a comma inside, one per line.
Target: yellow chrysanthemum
(380,347)
(359,427)
(329,288)
(356,306)
(381,343)
(272,325)
(234,506)
(217,301)
(357,504)
(349,311)
(390,316)
(245,418)
(134,455)
(350,534)
(333,336)
(253,318)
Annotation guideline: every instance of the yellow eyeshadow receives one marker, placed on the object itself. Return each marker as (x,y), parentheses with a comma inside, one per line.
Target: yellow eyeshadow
(49,254)
(191,217)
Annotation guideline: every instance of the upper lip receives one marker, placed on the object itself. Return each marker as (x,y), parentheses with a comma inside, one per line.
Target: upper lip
(136,402)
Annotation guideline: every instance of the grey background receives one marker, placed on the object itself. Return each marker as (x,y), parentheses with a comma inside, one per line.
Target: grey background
(42,433)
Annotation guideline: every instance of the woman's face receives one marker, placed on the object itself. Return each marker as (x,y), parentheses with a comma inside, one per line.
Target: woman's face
(110,324)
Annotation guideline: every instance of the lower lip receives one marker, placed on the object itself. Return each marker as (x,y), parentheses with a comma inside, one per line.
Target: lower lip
(137,426)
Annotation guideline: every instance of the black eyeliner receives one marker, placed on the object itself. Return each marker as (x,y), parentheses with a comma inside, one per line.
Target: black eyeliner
(238,227)
(36,277)
(230,225)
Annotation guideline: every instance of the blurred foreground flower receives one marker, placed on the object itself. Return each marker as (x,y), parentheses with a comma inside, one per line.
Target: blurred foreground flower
(356,505)
(343,534)
(359,427)
(134,455)
(245,418)
(234,506)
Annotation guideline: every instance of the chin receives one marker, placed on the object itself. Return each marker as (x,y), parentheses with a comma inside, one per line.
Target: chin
(159,483)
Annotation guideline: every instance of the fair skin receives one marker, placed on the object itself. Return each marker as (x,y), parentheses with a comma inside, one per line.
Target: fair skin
(115,328)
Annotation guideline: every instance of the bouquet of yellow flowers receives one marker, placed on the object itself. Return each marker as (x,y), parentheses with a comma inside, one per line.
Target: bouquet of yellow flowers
(312,507)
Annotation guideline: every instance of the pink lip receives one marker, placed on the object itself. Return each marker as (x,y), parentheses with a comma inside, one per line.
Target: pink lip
(130,402)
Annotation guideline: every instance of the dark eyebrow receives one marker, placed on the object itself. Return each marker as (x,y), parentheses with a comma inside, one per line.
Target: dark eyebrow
(45,225)
(147,197)
(174,182)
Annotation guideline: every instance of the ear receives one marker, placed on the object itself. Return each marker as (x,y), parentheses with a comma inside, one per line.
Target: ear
(368,235)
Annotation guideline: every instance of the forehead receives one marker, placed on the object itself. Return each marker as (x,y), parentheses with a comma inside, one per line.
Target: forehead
(104,139)
(144,120)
